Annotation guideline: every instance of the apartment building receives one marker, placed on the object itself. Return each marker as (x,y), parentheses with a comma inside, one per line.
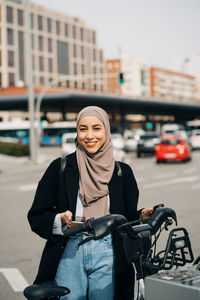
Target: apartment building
(172,86)
(112,71)
(61,45)
(136,74)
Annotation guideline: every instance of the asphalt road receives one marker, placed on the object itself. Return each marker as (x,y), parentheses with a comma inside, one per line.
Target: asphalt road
(175,185)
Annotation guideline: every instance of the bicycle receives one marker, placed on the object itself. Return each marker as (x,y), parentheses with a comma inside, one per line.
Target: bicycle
(138,247)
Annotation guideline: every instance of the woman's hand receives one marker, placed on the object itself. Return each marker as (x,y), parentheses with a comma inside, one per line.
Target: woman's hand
(66,218)
(146,213)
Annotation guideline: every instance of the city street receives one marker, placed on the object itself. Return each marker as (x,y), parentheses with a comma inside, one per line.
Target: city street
(177,185)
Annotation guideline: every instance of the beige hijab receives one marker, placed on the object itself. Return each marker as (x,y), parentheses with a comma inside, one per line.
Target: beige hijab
(95,170)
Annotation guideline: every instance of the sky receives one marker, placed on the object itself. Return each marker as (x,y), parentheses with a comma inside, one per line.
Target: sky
(155,30)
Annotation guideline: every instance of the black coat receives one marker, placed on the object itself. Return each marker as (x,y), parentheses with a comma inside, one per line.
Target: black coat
(57,193)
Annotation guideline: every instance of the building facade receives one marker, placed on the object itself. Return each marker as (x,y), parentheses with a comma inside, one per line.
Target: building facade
(61,45)
(136,75)
(112,71)
(172,86)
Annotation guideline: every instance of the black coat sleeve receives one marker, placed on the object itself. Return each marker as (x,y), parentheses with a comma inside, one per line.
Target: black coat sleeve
(130,192)
(43,211)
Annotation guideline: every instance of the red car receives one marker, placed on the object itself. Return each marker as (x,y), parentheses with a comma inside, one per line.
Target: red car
(173,148)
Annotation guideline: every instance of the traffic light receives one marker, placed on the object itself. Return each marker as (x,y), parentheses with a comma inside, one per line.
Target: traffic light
(148,125)
(121,78)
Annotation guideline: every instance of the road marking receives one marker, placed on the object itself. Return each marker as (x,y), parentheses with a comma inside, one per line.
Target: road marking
(28,187)
(172,181)
(14,278)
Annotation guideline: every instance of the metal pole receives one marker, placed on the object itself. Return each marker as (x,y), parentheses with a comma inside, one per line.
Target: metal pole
(30,82)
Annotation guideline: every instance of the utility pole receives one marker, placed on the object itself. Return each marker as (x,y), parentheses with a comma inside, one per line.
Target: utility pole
(32,145)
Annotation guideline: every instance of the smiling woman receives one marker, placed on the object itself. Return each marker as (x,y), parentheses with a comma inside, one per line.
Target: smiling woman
(90,186)
(91,134)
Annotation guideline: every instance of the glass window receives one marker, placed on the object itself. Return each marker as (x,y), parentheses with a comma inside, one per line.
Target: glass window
(94,54)
(74,50)
(75,68)
(40,43)
(9,14)
(49,45)
(82,52)
(49,25)
(10,58)
(170,142)
(21,55)
(32,20)
(81,34)
(94,37)
(50,65)
(10,36)
(41,80)
(74,31)
(57,27)
(33,62)
(41,63)
(62,57)
(20,15)
(66,29)
(83,69)
(33,41)
(101,56)
(67,83)
(40,23)
(11,79)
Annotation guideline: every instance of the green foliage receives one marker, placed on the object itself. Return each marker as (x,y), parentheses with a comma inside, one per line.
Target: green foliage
(14,149)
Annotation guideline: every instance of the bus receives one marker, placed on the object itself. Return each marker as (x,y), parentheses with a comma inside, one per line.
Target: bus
(52,132)
(16,131)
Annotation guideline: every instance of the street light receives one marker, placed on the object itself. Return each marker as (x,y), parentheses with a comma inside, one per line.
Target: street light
(30,83)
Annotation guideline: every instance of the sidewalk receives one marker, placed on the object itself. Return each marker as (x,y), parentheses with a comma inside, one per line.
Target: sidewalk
(10,164)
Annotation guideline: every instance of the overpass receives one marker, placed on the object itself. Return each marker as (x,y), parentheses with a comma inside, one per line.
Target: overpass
(73,102)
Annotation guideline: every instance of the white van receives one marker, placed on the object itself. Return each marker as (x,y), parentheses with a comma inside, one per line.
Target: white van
(67,144)
(171,129)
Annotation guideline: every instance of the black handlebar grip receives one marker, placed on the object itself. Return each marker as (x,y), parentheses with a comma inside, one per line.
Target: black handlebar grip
(76,229)
(159,216)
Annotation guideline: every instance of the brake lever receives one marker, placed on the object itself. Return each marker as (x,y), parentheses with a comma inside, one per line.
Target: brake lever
(89,238)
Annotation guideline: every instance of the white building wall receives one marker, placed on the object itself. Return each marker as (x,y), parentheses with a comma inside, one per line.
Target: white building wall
(134,69)
(189,65)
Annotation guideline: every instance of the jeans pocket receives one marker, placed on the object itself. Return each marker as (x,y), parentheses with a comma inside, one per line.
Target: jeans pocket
(107,240)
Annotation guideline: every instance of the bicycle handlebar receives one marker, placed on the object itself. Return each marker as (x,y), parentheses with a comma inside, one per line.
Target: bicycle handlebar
(158,217)
(99,227)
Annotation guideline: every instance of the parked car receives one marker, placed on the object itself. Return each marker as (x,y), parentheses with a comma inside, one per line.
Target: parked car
(130,142)
(118,146)
(173,148)
(195,139)
(67,144)
(147,143)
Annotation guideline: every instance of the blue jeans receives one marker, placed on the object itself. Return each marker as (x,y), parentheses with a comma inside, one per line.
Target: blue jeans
(91,268)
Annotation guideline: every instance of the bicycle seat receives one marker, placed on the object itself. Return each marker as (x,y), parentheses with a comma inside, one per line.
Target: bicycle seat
(45,290)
